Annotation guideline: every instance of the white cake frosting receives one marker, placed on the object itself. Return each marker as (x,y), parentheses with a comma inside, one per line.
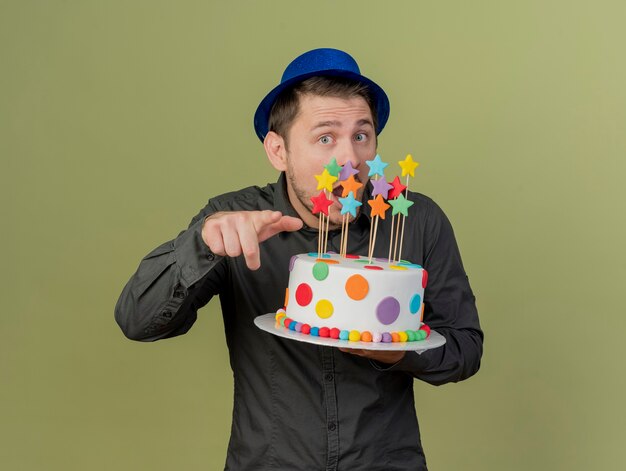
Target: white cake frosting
(350,294)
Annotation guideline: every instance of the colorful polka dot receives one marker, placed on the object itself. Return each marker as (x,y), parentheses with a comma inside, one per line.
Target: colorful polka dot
(395,337)
(354,336)
(331,262)
(377,337)
(411,335)
(388,310)
(386,337)
(363,260)
(304,294)
(415,303)
(292,262)
(373,267)
(320,271)
(315,331)
(344,335)
(324,308)
(324,332)
(422,313)
(286,296)
(403,336)
(317,255)
(298,327)
(357,287)
(366,336)
(334,333)
(306,329)
(397,267)
(424,279)
(352,256)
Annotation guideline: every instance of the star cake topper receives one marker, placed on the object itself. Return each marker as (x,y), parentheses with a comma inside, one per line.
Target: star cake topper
(379,207)
(321,203)
(381,187)
(376,165)
(350,185)
(333,168)
(408,165)
(397,190)
(349,204)
(325,181)
(346,171)
(401,205)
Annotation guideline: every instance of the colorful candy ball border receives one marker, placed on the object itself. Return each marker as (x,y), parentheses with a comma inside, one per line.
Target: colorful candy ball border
(352,335)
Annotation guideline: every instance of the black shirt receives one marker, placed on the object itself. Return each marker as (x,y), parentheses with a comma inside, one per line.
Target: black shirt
(299,406)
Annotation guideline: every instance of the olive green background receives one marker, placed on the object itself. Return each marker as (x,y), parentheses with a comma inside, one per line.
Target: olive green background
(119,119)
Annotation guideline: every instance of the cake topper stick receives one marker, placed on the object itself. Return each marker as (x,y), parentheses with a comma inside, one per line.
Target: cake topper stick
(326,233)
(350,185)
(377,168)
(395,240)
(320,205)
(394,192)
(325,183)
(393,217)
(400,205)
(408,166)
(346,172)
(349,205)
(378,211)
(333,169)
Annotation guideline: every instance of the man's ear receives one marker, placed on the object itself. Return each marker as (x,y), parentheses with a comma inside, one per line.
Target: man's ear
(276,151)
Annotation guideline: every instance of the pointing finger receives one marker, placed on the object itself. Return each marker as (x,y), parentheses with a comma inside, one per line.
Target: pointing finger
(249,244)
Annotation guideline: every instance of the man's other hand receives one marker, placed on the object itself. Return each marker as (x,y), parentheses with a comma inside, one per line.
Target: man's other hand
(382,356)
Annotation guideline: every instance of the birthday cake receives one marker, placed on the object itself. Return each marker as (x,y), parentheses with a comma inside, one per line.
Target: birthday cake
(349,298)
(353,297)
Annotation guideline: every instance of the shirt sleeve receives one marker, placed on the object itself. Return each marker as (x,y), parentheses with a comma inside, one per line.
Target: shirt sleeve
(172,282)
(449,308)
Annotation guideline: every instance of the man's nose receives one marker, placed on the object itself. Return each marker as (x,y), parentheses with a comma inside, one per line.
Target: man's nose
(347,153)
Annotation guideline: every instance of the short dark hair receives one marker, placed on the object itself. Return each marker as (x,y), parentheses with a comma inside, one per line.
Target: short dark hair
(287,104)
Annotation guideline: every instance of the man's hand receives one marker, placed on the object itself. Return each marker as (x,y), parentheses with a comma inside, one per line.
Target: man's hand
(383,356)
(240,232)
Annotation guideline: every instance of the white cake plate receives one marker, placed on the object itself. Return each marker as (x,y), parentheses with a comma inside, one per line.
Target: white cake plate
(267,322)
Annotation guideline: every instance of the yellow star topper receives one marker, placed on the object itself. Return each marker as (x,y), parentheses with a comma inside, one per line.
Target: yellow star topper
(325,181)
(408,166)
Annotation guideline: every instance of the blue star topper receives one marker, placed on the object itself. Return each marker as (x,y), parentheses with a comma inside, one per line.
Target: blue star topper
(377,166)
(349,204)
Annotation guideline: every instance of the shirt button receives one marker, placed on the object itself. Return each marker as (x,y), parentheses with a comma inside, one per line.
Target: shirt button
(332,426)
(210,257)
(329,377)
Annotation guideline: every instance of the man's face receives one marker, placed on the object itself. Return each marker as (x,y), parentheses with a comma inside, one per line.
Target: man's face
(327,127)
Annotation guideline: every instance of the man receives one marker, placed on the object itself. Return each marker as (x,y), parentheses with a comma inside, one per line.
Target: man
(297,405)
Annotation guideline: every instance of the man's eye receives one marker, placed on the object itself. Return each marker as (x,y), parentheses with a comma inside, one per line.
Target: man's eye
(325,139)
(360,137)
